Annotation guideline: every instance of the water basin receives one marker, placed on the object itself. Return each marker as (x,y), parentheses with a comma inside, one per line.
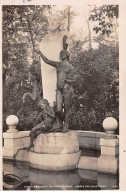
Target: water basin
(20,176)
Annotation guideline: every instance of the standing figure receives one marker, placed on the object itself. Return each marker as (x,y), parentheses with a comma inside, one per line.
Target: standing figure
(65,78)
(48,115)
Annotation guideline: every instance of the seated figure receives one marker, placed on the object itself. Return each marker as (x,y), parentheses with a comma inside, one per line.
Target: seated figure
(48,116)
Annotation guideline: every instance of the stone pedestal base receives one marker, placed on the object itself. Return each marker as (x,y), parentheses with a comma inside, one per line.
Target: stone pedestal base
(54,161)
(55,151)
(108,162)
(56,143)
(14,141)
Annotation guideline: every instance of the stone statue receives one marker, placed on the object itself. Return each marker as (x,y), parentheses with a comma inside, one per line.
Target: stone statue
(48,115)
(65,78)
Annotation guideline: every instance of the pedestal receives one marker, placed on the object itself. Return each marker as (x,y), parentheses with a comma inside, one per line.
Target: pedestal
(108,162)
(55,151)
(14,141)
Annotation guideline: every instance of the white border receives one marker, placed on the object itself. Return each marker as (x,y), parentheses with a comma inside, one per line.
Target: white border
(122,69)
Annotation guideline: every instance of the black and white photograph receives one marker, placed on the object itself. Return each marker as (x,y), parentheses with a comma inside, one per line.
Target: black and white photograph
(60,96)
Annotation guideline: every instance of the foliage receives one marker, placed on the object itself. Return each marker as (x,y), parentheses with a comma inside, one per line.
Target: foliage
(105,16)
(19,60)
(96,93)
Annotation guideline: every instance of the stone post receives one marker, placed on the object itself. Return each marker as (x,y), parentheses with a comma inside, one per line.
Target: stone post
(109,159)
(14,139)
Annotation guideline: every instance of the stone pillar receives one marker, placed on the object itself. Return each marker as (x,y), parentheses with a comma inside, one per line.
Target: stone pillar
(14,139)
(108,162)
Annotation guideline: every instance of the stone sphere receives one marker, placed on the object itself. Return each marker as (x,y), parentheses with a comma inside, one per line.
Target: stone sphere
(12,120)
(110,123)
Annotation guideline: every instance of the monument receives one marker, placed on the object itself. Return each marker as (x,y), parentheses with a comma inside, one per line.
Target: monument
(52,145)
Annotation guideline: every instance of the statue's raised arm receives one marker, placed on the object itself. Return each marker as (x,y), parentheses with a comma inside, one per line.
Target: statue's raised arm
(52,63)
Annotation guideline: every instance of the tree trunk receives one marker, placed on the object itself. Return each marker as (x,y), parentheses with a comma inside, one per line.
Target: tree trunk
(68,28)
(89,31)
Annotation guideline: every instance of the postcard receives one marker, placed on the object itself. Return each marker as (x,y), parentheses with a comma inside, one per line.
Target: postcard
(63,95)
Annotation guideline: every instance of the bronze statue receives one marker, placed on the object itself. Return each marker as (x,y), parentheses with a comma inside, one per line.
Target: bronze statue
(48,115)
(65,78)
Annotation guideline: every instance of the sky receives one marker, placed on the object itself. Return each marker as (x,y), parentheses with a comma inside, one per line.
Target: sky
(79,24)
(79,21)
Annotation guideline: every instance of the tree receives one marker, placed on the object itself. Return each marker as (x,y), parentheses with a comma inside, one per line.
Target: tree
(105,16)
(19,58)
(96,94)
(89,30)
